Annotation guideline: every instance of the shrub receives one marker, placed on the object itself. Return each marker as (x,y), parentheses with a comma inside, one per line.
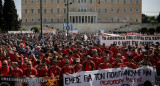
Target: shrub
(158,29)
(151,30)
(144,30)
(35,29)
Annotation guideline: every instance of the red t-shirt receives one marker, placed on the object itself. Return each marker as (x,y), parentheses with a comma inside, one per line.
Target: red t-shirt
(44,73)
(61,63)
(111,60)
(6,71)
(115,65)
(56,70)
(89,66)
(17,73)
(0,64)
(77,68)
(11,55)
(133,66)
(47,61)
(27,72)
(23,66)
(114,51)
(97,61)
(104,66)
(69,70)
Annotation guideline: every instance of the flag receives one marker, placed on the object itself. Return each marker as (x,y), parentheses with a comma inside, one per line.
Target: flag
(85,37)
(23,42)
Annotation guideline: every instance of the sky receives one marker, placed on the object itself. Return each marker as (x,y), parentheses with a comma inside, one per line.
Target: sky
(149,7)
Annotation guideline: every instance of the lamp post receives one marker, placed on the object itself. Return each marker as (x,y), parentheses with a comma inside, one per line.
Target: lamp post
(41,16)
(67,28)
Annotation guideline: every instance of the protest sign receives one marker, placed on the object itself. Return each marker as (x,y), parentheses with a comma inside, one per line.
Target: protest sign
(129,39)
(111,77)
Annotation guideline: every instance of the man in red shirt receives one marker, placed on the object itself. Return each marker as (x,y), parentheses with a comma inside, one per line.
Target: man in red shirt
(114,50)
(88,65)
(56,70)
(105,64)
(78,66)
(96,59)
(16,72)
(5,70)
(117,63)
(130,63)
(44,71)
(30,71)
(67,69)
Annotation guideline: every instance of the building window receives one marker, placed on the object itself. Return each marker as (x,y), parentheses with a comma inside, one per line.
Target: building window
(118,1)
(130,10)
(136,10)
(105,19)
(64,10)
(39,20)
(124,20)
(99,19)
(124,10)
(90,1)
(51,19)
(85,1)
(136,20)
(72,1)
(136,1)
(51,10)
(26,20)
(124,1)
(58,11)
(38,1)
(79,1)
(79,9)
(111,1)
(118,20)
(131,1)
(105,10)
(26,11)
(118,10)
(32,10)
(32,1)
(26,2)
(105,1)
(32,20)
(112,10)
(85,9)
(58,20)
(57,1)
(112,20)
(64,1)
(130,19)
(90,10)
(51,1)
(64,20)
(45,10)
(45,1)
(99,1)
(38,10)
(99,10)
(45,20)
(73,10)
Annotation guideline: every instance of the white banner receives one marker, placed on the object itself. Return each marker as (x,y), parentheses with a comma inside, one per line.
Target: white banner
(111,77)
(131,39)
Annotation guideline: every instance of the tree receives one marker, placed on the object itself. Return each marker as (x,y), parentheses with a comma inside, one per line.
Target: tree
(158,29)
(10,16)
(151,30)
(35,29)
(144,30)
(144,18)
(1,14)
(158,18)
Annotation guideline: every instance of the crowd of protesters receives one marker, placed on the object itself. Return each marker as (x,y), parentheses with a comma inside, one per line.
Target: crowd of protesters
(29,55)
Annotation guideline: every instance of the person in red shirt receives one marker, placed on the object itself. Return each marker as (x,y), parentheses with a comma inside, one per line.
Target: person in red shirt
(105,64)
(0,64)
(46,60)
(30,71)
(114,50)
(78,66)
(44,71)
(117,63)
(96,59)
(83,58)
(61,63)
(5,70)
(130,63)
(89,65)
(67,69)
(16,72)
(24,64)
(56,70)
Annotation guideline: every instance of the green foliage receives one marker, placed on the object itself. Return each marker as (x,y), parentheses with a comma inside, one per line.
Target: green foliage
(158,29)
(0,30)
(151,30)
(23,29)
(158,18)
(10,16)
(35,29)
(1,14)
(144,30)
(149,19)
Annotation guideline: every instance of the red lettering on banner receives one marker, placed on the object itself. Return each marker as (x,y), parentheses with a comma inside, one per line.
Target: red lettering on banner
(111,82)
(134,79)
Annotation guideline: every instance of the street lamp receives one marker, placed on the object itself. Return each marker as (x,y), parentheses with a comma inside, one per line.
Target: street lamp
(67,28)
(41,15)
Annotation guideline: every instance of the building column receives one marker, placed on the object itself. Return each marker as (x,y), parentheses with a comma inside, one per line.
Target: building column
(93,19)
